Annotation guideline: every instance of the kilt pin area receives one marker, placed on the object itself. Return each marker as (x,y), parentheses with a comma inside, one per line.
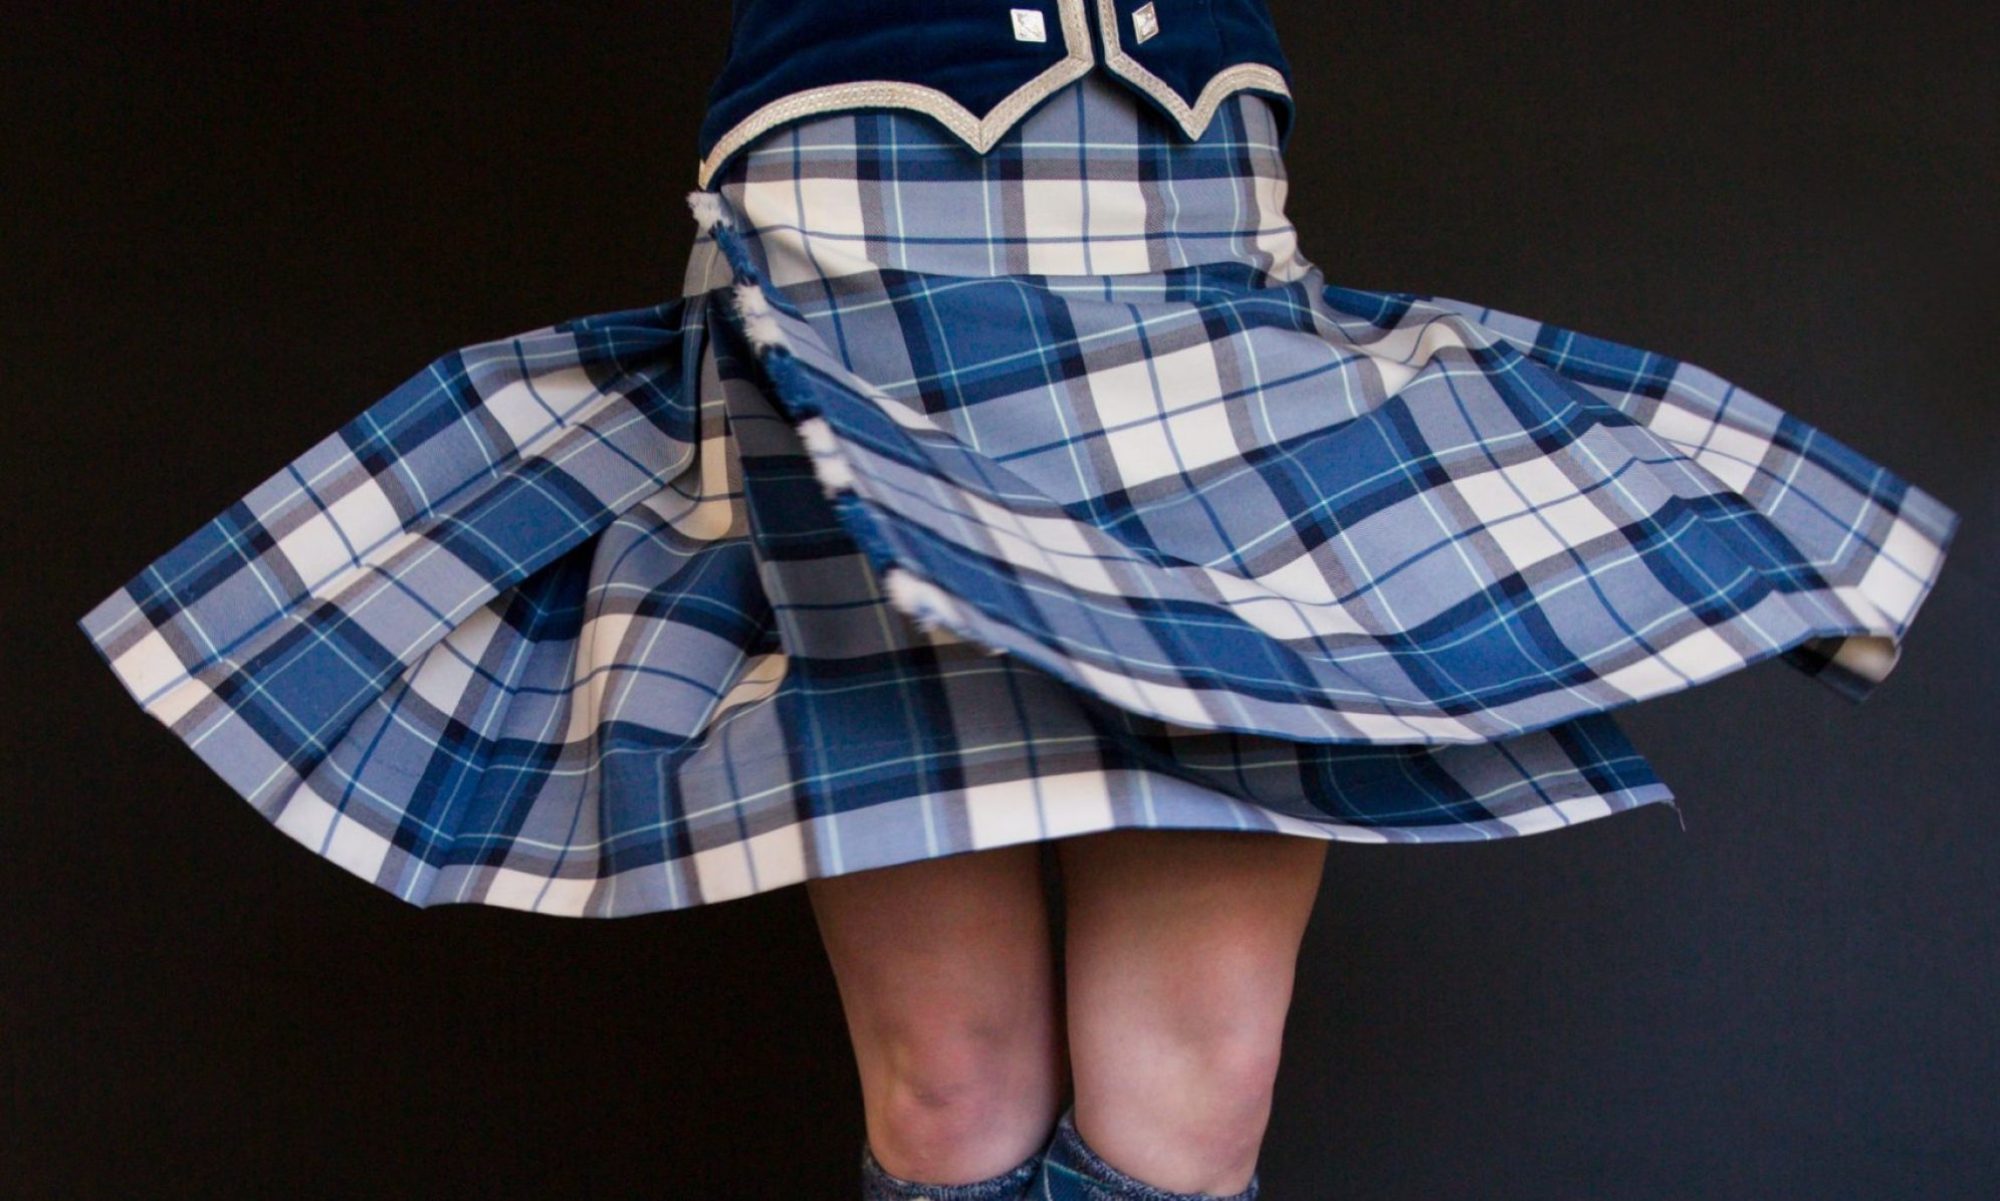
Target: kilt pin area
(969,499)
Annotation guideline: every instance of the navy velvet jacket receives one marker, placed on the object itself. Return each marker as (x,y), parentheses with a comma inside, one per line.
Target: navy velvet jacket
(979,66)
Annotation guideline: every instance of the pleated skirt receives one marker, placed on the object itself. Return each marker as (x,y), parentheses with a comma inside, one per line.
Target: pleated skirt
(962,501)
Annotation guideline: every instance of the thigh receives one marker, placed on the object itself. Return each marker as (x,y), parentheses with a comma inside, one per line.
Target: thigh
(1194,929)
(1181,948)
(964,933)
(948,982)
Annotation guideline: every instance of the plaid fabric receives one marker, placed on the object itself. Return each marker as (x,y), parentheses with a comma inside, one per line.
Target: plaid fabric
(964,501)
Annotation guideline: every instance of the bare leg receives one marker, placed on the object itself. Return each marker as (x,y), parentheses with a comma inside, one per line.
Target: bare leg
(947,981)
(1181,949)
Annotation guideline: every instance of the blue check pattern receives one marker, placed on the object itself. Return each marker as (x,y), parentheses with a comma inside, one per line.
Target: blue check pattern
(962,501)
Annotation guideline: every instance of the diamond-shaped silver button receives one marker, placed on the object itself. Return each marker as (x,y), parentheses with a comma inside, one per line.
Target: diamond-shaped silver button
(1145,22)
(1028,25)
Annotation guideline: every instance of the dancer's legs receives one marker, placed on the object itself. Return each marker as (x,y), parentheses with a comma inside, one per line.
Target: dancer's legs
(947,980)
(1181,947)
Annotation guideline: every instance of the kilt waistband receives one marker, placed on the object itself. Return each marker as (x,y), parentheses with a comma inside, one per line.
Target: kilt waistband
(1093,187)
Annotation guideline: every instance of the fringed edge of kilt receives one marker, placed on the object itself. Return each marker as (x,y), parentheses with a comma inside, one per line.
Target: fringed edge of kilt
(1853,663)
(930,607)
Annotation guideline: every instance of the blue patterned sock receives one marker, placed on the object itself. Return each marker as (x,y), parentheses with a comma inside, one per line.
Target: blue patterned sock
(1071,1171)
(877,1184)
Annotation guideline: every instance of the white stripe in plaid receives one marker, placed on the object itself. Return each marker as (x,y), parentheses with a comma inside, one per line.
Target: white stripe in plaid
(1211,488)
(577,621)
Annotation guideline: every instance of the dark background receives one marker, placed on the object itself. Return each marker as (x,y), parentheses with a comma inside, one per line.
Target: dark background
(228,227)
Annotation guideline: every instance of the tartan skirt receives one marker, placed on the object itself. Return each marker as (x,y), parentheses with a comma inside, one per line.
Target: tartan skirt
(965,500)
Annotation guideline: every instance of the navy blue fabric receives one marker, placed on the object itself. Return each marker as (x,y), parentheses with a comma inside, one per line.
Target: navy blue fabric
(1196,39)
(960,47)
(964,49)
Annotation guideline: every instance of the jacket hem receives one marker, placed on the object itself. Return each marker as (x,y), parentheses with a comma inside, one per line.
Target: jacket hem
(1193,118)
(978,132)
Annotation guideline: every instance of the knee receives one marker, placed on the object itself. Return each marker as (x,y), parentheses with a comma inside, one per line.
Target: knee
(1232,1073)
(1206,1090)
(957,1098)
(1227,1039)
(943,1076)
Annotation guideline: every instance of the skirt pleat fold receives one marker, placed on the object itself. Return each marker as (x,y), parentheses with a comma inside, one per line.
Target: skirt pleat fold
(964,500)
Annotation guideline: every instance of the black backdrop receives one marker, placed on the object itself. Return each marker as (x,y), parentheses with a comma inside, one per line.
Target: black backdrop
(230,226)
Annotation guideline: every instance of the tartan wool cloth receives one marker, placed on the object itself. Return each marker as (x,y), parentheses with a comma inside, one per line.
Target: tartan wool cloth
(962,501)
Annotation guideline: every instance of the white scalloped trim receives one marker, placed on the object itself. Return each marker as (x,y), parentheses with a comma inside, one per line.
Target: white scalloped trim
(1193,118)
(978,132)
